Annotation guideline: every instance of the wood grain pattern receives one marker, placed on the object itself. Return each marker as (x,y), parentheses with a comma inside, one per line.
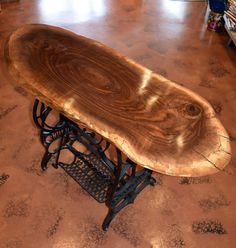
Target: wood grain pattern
(155,122)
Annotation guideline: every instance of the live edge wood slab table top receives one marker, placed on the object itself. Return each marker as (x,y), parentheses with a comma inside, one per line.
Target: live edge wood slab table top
(155,122)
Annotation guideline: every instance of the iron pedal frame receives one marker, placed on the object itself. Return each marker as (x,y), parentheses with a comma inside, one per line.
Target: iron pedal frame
(116,184)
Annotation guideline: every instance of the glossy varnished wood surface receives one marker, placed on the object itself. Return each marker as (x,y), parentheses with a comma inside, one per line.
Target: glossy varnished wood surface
(155,122)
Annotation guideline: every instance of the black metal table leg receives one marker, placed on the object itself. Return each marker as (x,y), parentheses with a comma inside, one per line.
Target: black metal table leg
(115,184)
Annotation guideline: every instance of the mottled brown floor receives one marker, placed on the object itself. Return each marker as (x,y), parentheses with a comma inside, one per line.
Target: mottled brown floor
(49,209)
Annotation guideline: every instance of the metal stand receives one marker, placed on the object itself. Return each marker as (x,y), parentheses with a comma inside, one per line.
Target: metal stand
(115,183)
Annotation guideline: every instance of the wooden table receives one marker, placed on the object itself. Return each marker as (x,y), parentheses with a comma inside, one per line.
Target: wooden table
(107,100)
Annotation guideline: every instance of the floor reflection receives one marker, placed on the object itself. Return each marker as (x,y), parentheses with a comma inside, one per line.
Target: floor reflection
(71,11)
(176,9)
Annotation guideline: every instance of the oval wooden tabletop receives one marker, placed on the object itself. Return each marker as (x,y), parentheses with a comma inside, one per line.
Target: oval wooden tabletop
(155,122)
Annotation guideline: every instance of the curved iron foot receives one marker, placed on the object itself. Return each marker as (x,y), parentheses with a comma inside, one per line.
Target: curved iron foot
(44,164)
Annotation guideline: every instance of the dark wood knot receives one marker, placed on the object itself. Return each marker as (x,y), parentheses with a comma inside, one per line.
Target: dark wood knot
(193,109)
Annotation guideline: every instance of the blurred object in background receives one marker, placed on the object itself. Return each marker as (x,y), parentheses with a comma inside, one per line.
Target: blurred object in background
(215,20)
(230,21)
(230,15)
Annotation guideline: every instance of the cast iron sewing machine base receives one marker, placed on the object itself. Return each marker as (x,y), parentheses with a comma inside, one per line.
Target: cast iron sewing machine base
(114,182)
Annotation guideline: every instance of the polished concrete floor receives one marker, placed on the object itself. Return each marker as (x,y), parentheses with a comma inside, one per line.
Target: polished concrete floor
(49,209)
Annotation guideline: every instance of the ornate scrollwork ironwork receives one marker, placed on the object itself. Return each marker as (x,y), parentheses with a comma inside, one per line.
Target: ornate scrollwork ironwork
(115,183)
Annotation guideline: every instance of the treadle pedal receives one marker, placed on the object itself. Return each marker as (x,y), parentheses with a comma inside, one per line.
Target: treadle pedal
(92,176)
